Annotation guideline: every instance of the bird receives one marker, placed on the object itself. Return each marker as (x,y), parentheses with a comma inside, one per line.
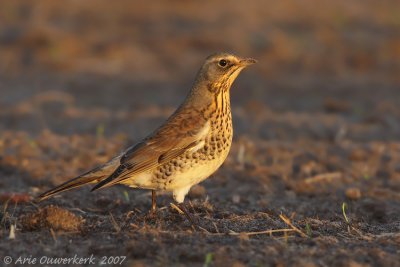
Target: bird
(188,148)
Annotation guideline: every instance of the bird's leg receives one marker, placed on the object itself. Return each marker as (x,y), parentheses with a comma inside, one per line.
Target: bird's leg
(153,202)
(189,216)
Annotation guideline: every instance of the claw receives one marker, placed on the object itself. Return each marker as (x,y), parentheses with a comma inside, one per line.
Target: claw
(189,216)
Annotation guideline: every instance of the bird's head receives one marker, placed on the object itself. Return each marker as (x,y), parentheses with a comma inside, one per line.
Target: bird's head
(221,69)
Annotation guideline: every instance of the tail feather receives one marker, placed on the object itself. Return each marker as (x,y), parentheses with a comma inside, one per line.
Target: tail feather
(108,181)
(93,176)
(68,185)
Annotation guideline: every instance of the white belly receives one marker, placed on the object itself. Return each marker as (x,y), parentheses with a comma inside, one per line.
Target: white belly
(183,181)
(195,174)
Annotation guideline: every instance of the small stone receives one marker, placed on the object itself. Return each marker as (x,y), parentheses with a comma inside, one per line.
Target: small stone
(358,155)
(352,263)
(238,264)
(197,191)
(336,105)
(236,199)
(353,193)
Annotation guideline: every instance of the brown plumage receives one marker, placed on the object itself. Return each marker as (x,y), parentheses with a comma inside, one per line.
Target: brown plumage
(190,146)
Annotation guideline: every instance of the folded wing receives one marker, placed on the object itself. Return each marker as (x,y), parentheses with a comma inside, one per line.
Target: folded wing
(181,133)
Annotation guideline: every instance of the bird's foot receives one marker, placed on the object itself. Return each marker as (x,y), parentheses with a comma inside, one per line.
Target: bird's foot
(152,213)
(189,216)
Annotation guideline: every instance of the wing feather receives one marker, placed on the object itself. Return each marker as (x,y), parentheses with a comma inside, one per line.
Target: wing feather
(178,135)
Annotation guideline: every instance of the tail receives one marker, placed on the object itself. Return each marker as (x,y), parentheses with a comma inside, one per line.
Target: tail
(93,176)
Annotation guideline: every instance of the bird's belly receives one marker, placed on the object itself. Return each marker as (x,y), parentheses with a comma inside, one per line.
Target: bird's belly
(191,173)
(194,172)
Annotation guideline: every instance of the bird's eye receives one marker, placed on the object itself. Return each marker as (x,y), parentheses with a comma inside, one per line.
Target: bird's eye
(223,63)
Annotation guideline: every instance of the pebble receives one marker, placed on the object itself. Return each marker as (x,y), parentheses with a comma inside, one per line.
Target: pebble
(197,191)
(353,193)
(236,199)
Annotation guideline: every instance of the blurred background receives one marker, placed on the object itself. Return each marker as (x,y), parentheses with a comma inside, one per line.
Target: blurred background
(108,58)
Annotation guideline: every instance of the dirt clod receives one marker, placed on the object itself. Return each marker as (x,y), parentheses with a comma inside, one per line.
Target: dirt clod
(52,217)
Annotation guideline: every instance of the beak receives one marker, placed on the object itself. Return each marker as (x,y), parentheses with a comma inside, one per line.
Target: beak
(247,62)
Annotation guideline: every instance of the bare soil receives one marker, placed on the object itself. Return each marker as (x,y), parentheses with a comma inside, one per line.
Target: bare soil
(317,131)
